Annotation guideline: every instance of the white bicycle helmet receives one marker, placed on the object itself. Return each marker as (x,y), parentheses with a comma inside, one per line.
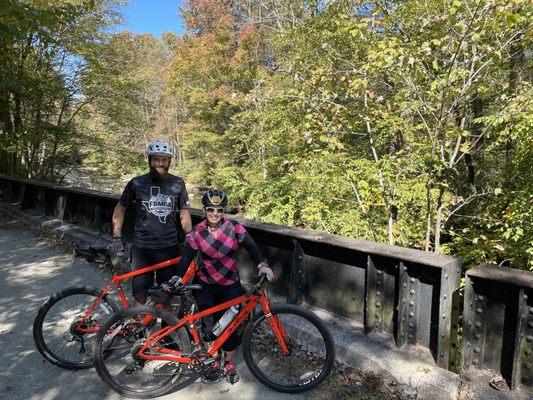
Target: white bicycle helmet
(159,148)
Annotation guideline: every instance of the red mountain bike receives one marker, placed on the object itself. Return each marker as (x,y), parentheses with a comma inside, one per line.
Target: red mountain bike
(142,351)
(68,321)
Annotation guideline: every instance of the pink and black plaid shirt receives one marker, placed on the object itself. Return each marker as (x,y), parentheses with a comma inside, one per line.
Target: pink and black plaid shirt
(218,257)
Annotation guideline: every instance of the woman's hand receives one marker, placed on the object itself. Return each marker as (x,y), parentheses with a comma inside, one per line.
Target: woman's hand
(265,269)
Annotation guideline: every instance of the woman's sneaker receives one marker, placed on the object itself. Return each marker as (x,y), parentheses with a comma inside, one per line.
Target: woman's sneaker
(232,376)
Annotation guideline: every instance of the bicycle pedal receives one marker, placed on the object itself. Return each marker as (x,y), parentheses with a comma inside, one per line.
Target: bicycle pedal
(208,361)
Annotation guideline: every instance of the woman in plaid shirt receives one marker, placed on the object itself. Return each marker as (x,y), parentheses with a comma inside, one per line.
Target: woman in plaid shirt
(216,241)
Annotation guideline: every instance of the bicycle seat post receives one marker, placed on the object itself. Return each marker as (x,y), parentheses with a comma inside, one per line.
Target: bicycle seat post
(109,262)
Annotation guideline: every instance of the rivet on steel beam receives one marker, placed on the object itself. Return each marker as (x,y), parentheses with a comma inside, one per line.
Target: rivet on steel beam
(475,362)
(529,338)
(479,311)
(478,324)
(477,349)
(443,335)
(442,354)
(412,280)
(378,305)
(446,276)
(378,283)
(411,303)
(411,315)
(477,336)
(531,310)
(405,268)
(443,316)
(445,296)
(412,291)
(525,297)
(379,272)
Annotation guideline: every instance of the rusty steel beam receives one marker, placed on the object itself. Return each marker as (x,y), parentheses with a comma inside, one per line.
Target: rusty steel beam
(498,323)
(404,294)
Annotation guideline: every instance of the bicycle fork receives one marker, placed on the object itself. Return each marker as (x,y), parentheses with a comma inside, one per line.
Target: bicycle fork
(275,325)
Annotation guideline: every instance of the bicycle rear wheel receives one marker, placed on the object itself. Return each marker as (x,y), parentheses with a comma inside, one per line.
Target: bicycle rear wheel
(55,327)
(310,356)
(117,346)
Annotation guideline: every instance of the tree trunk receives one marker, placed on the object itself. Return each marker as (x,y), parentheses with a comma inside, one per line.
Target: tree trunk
(428,217)
(438,220)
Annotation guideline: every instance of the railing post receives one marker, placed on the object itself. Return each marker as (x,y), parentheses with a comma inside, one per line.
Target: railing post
(403,307)
(498,323)
(372,317)
(522,368)
(297,278)
(449,282)
(381,297)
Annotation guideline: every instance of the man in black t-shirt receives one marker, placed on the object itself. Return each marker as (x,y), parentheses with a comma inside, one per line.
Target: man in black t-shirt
(159,198)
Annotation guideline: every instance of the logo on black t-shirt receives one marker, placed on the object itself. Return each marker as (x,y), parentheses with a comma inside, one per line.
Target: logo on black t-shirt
(161,205)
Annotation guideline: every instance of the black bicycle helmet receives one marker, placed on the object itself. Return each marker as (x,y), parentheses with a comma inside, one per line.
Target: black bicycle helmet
(214,198)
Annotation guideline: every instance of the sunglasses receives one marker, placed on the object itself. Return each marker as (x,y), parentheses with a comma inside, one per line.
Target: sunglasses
(212,210)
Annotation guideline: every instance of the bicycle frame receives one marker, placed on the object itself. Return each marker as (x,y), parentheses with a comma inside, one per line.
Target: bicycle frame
(115,281)
(251,301)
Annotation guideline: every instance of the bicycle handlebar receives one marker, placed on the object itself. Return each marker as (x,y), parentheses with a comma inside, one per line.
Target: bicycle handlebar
(259,285)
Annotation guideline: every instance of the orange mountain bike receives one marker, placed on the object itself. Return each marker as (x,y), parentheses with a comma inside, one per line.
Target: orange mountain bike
(66,324)
(142,351)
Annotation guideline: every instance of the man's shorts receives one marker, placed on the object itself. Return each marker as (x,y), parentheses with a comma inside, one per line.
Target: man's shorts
(141,258)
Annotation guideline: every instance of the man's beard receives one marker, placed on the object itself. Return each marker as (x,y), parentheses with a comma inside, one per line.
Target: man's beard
(156,176)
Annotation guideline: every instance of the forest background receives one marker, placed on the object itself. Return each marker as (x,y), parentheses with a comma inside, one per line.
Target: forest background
(402,122)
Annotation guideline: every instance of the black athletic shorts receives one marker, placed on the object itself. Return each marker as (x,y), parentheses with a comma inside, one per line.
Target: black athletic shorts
(141,258)
(212,295)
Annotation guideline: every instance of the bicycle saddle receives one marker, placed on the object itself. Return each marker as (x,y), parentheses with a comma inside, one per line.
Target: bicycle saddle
(91,252)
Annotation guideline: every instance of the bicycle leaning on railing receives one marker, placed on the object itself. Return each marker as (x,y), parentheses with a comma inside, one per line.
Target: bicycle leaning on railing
(143,351)
(68,321)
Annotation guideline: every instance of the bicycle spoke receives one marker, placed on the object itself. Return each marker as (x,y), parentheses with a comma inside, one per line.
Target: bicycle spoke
(55,328)
(119,361)
(310,350)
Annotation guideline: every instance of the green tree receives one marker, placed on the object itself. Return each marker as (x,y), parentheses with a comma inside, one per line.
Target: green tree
(45,47)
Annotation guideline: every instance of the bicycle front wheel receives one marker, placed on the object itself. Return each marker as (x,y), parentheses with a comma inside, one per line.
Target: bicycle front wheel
(306,358)
(117,346)
(56,328)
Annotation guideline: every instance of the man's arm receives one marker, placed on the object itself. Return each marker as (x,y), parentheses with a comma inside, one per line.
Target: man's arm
(118,219)
(185,219)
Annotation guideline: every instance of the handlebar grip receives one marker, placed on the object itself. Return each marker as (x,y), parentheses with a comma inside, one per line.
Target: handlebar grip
(259,285)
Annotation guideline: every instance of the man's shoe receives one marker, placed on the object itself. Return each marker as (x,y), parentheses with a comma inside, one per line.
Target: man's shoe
(232,376)
(214,375)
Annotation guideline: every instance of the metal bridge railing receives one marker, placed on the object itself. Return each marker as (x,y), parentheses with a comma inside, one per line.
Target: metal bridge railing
(498,323)
(406,295)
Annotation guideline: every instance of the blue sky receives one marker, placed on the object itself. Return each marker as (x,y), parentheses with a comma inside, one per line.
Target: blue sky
(153,16)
